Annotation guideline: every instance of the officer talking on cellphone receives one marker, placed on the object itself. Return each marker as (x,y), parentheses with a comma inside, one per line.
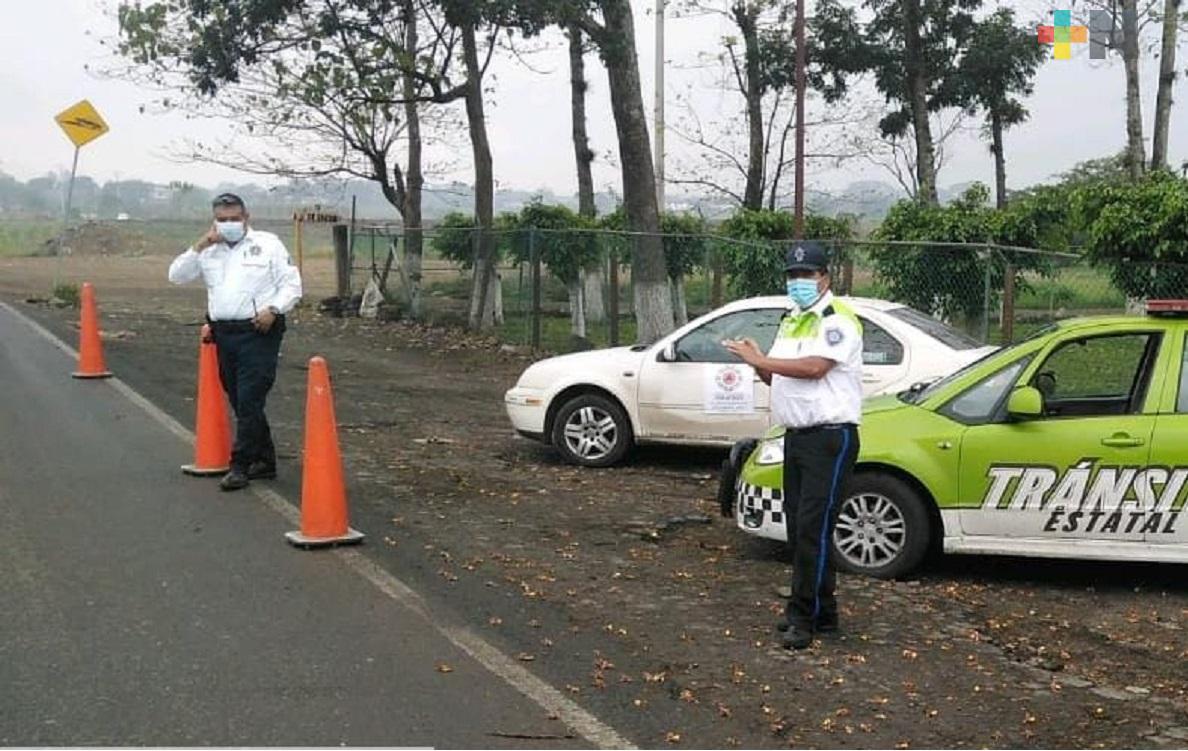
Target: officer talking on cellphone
(251,283)
(814,369)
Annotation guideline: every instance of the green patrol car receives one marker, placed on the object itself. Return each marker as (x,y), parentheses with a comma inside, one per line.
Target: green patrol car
(1072,443)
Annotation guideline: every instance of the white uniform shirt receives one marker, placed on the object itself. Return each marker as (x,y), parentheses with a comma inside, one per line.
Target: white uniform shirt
(837,396)
(242,280)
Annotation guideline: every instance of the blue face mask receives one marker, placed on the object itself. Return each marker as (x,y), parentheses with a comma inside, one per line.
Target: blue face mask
(803,292)
(232,232)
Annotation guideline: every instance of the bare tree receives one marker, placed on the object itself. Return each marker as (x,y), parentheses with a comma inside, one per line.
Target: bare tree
(897,155)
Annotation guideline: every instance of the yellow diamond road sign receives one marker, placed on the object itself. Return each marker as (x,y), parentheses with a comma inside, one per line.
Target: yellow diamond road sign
(81,123)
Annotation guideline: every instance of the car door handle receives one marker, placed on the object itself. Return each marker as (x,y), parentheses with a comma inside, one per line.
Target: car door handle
(1122,441)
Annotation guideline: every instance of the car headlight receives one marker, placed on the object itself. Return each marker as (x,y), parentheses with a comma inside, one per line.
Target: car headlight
(771,451)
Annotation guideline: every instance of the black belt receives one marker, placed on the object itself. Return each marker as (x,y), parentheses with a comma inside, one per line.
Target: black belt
(818,428)
(241,325)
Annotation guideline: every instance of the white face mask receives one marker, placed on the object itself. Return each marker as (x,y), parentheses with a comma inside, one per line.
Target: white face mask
(232,232)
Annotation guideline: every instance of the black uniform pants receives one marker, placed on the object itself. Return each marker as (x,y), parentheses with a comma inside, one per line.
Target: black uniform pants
(818,463)
(247,369)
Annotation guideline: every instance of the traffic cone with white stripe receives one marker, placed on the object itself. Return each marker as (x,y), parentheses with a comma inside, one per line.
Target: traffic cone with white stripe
(323,490)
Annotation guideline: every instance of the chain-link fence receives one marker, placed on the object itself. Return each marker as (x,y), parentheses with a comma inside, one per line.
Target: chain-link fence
(561,290)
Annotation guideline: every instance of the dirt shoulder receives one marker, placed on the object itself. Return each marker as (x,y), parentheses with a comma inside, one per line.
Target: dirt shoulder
(624,588)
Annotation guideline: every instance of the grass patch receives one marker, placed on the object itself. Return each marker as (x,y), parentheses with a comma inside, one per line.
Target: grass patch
(26,237)
(67,292)
(555,332)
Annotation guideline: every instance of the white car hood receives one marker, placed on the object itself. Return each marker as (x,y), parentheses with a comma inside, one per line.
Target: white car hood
(608,363)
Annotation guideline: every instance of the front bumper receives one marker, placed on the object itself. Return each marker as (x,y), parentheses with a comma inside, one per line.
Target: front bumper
(760,511)
(526,409)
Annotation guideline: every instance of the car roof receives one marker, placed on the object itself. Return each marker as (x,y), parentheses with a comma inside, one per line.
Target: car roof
(1116,320)
(781,301)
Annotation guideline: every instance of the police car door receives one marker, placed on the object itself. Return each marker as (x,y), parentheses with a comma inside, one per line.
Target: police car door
(1077,472)
(698,391)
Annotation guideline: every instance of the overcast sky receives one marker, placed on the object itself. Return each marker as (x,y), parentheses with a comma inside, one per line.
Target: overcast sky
(1077,111)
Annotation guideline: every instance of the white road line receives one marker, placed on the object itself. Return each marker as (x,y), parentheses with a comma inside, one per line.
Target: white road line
(549,698)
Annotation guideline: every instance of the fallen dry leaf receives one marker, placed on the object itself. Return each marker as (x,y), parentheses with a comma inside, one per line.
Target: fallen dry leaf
(444,668)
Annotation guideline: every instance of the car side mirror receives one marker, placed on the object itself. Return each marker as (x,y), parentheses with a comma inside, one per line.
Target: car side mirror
(1025,402)
(667,353)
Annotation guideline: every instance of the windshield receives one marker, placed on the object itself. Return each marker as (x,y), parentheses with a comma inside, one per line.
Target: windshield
(924,389)
(942,332)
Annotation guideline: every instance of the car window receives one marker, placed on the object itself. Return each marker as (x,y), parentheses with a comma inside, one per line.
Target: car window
(1182,399)
(704,343)
(878,346)
(1099,375)
(943,333)
(980,402)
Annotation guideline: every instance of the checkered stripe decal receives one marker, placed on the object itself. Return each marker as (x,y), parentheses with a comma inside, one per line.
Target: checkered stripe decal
(769,500)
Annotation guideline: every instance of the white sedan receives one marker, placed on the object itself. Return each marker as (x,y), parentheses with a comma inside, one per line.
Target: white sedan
(687,389)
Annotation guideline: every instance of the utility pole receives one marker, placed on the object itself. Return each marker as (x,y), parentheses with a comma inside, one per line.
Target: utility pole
(659,156)
(800,85)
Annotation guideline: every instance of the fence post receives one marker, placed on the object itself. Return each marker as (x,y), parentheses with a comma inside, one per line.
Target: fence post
(614,298)
(987,256)
(1008,304)
(342,261)
(534,256)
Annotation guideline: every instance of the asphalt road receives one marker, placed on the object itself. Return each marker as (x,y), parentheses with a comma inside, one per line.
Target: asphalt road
(139,606)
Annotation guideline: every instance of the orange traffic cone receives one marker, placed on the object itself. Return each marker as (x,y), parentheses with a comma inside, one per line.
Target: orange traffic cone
(90,348)
(212,447)
(323,492)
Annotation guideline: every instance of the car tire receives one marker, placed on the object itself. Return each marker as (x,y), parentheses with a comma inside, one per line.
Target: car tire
(592,430)
(728,475)
(883,527)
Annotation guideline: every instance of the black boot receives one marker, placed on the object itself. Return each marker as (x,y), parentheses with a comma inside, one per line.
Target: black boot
(236,479)
(261,471)
(797,637)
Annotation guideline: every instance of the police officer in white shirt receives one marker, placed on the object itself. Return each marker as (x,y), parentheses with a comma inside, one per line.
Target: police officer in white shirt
(815,371)
(251,283)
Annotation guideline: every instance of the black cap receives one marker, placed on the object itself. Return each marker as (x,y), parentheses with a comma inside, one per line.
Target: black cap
(807,255)
(227,199)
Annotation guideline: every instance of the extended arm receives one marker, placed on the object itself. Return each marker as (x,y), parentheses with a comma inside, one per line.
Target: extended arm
(812,367)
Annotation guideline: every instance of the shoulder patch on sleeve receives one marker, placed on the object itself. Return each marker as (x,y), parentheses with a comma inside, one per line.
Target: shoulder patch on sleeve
(834,335)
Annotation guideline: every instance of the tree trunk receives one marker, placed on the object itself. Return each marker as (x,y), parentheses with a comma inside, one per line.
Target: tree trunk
(589,280)
(747,19)
(482,305)
(917,86)
(679,307)
(1135,153)
(716,277)
(495,299)
(413,234)
(594,283)
(999,161)
(649,278)
(1167,78)
(583,156)
(577,308)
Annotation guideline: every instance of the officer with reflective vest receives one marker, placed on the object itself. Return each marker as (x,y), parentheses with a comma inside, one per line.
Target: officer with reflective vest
(814,369)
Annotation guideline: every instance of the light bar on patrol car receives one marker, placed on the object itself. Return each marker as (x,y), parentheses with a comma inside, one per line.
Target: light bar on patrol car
(1167,307)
